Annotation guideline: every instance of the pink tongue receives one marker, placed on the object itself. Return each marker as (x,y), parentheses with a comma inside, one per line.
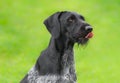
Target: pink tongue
(89,35)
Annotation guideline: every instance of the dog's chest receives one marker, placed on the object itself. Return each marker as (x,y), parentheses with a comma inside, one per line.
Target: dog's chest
(68,68)
(67,74)
(34,77)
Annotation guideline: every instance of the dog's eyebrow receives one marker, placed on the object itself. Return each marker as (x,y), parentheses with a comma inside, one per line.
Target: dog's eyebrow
(81,17)
(72,16)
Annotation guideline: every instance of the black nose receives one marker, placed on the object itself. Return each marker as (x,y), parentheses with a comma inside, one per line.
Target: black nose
(88,28)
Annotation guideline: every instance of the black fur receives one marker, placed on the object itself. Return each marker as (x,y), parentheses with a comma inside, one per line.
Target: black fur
(66,28)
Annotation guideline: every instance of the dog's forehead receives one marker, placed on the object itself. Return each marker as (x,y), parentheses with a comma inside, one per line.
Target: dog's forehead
(68,14)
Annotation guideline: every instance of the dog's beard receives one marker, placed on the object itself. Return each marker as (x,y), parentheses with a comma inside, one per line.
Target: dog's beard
(82,41)
(80,38)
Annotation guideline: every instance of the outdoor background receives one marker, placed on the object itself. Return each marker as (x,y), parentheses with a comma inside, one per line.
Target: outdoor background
(23,36)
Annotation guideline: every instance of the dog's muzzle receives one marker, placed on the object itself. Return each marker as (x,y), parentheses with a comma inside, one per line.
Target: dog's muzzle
(89,30)
(84,34)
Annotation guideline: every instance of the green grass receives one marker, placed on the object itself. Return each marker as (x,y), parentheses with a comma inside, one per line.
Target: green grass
(23,36)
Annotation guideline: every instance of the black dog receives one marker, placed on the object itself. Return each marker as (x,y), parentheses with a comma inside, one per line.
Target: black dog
(56,63)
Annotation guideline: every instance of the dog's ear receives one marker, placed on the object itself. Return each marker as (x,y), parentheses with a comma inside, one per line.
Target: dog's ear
(53,25)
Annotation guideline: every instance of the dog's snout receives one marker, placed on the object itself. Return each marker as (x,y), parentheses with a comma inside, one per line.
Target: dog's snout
(88,28)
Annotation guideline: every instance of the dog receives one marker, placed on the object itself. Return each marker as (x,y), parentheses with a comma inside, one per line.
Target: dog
(56,63)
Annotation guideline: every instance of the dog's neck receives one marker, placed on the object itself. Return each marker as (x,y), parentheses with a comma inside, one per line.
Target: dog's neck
(61,44)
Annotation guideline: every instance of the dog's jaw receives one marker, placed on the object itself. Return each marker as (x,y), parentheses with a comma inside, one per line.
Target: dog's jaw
(82,38)
(85,39)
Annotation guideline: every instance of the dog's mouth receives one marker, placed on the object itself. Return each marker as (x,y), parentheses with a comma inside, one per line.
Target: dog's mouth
(89,35)
(82,38)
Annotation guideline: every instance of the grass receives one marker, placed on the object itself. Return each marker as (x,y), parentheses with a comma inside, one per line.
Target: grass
(23,36)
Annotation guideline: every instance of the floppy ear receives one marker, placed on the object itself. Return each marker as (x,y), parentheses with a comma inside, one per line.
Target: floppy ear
(53,25)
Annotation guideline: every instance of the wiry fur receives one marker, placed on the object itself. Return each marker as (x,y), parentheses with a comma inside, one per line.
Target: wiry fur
(56,63)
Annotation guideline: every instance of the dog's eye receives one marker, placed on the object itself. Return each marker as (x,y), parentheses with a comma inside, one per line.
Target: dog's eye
(71,19)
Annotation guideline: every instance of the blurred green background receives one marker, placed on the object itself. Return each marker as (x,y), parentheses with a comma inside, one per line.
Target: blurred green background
(23,36)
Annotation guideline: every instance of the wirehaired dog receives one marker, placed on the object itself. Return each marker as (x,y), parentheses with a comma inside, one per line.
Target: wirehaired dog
(56,63)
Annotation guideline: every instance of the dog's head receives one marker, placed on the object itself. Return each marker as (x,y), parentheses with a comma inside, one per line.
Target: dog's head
(70,25)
